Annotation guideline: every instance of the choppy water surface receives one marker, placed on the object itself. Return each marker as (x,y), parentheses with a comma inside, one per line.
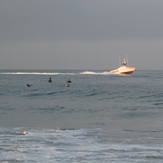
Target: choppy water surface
(99,118)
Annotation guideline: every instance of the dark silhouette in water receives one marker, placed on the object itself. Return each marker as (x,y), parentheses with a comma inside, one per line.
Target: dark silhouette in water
(68,81)
(67,85)
(28,85)
(50,80)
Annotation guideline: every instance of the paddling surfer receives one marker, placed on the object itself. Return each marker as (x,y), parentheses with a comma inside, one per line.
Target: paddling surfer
(50,80)
(28,85)
(68,81)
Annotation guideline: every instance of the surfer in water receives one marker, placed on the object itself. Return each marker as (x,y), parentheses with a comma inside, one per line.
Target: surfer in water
(68,81)
(67,85)
(28,85)
(50,80)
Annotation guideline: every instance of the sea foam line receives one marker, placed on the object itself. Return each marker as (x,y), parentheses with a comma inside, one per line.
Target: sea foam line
(56,73)
(36,73)
(95,73)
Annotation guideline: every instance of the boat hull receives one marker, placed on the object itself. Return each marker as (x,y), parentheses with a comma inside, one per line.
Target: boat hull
(123,70)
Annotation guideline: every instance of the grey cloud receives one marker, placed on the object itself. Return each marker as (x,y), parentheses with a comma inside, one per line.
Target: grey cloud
(80,34)
(80,20)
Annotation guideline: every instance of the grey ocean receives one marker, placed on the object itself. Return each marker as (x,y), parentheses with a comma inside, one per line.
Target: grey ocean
(100,118)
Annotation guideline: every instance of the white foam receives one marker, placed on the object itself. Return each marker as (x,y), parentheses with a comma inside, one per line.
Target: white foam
(95,73)
(56,145)
(36,73)
(57,73)
(24,132)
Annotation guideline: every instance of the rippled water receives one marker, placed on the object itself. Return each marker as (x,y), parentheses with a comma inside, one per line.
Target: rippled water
(99,118)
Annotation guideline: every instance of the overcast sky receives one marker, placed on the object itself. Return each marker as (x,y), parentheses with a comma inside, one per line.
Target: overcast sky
(81,34)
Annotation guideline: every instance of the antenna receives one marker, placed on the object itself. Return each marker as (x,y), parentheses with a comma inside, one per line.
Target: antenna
(119,61)
(127,59)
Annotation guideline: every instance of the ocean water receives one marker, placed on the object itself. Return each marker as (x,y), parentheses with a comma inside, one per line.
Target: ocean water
(99,118)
